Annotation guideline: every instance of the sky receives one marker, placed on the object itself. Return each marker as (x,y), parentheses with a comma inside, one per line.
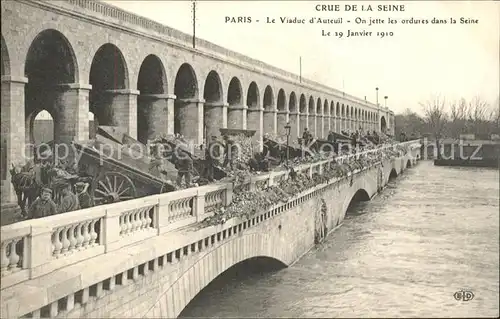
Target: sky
(417,62)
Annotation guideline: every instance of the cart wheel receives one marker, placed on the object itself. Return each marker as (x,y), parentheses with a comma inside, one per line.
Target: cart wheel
(112,187)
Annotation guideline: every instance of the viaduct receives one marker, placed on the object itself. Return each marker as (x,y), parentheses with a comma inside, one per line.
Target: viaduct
(149,257)
(78,56)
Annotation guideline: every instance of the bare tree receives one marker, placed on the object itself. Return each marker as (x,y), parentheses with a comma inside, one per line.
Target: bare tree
(435,115)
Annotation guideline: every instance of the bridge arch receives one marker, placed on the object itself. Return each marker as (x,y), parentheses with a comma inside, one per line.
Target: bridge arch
(311,106)
(360,195)
(302,104)
(5,58)
(337,109)
(50,63)
(234,92)
(151,83)
(256,245)
(268,98)
(292,103)
(254,108)
(186,91)
(108,73)
(383,124)
(393,174)
(40,125)
(212,110)
(253,97)
(281,100)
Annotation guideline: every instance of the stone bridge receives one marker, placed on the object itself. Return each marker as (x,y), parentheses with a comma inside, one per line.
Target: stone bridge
(149,257)
(81,59)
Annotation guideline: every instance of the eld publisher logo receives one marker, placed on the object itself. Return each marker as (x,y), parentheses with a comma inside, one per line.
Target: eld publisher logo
(463,295)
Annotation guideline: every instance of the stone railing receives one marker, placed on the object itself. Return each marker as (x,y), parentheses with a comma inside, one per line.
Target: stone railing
(32,248)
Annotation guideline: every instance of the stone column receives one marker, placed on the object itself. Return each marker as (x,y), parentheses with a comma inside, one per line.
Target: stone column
(311,124)
(158,109)
(124,110)
(72,107)
(215,114)
(337,124)
(191,119)
(282,119)
(255,121)
(236,116)
(303,122)
(13,131)
(294,119)
(270,121)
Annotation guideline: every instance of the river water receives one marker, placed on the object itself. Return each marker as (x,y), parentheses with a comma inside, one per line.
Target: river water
(431,232)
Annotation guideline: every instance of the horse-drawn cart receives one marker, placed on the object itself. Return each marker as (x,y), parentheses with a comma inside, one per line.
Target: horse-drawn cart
(117,170)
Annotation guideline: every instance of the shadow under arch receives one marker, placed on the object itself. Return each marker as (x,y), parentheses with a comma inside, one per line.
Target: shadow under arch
(393,174)
(408,163)
(250,269)
(357,198)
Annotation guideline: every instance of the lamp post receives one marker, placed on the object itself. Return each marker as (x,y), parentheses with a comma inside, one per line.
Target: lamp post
(287,129)
(378,111)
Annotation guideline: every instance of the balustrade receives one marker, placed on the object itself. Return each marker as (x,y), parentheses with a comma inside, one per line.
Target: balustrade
(46,244)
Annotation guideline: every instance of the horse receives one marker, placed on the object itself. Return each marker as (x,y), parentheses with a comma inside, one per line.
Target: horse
(25,185)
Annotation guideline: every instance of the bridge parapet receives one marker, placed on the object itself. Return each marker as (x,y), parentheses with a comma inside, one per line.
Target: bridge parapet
(34,248)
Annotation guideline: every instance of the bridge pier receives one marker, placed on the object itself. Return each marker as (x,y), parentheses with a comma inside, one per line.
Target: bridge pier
(13,130)
(255,122)
(155,116)
(236,116)
(270,121)
(282,117)
(294,120)
(123,110)
(303,122)
(190,119)
(72,109)
(214,117)
(311,123)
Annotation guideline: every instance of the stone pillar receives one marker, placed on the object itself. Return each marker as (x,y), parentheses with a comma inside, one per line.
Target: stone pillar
(214,117)
(311,124)
(236,116)
(13,131)
(337,124)
(124,108)
(255,121)
(303,122)
(72,107)
(191,119)
(158,110)
(282,119)
(326,125)
(294,119)
(270,121)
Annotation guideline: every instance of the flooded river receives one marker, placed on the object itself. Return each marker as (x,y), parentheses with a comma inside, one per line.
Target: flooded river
(433,231)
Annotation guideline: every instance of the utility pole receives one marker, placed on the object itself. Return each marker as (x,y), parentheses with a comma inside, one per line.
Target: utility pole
(194,24)
(300,69)
(378,112)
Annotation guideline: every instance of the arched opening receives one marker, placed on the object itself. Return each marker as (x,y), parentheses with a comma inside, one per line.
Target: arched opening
(311,121)
(234,92)
(50,62)
(292,103)
(185,90)
(408,164)
(229,283)
(253,112)
(281,100)
(43,128)
(253,96)
(393,174)
(108,73)
(383,125)
(311,106)
(269,115)
(357,203)
(332,109)
(152,82)
(326,119)
(268,98)
(235,101)
(93,125)
(302,104)
(319,123)
(212,111)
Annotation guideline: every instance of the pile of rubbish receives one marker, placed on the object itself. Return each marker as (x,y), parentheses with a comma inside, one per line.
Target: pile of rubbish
(246,204)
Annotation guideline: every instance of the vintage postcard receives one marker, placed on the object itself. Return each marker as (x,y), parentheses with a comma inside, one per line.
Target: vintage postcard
(244,159)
